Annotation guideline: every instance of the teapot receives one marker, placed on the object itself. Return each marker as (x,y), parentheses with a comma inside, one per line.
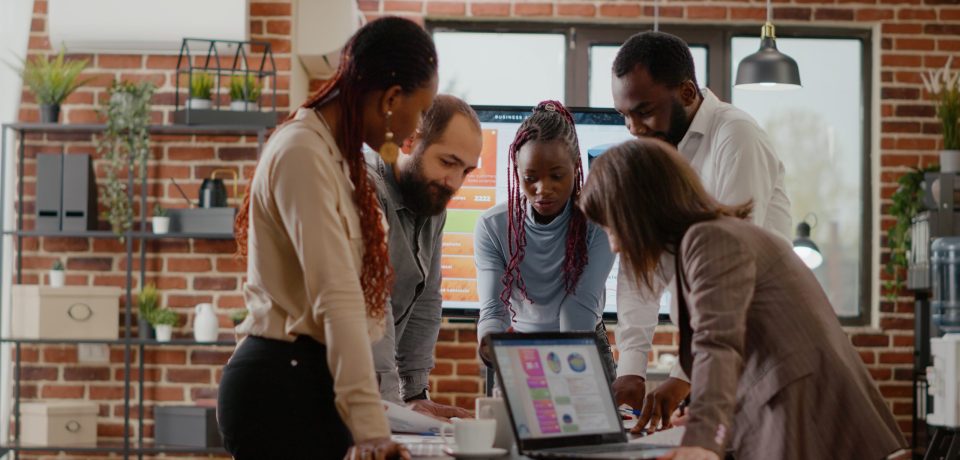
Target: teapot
(213,194)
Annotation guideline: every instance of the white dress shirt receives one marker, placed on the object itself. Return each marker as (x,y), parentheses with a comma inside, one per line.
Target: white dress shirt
(736,162)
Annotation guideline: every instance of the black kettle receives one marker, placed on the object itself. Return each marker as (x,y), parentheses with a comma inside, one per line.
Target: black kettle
(213,194)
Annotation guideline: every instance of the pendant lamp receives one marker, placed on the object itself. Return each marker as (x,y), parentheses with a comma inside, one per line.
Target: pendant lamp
(768,69)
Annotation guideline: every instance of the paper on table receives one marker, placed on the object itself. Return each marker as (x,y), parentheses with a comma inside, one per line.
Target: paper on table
(669,437)
(403,420)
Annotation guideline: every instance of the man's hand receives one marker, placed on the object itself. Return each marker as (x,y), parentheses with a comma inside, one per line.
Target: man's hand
(485,351)
(660,403)
(434,409)
(690,453)
(377,449)
(629,390)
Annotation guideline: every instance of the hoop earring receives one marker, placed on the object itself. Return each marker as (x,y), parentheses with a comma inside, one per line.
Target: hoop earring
(389,151)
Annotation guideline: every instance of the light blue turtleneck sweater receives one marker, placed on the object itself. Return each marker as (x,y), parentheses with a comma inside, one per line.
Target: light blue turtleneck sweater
(542,270)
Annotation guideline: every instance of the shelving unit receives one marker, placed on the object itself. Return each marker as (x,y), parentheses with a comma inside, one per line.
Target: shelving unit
(129,447)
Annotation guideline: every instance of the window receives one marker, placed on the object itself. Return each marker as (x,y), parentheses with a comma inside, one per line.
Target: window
(821,132)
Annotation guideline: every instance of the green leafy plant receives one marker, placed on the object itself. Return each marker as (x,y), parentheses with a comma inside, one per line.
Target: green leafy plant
(148,300)
(51,80)
(238,316)
(943,85)
(907,203)
(164,316)
(245,88)
(57,265)
(159,211)
(125,143)
(201,85)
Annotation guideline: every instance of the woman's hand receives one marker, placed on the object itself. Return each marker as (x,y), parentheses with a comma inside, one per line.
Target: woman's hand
(690,453)
(377,449)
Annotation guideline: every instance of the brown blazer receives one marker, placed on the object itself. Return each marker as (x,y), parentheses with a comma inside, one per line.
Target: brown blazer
(774,376)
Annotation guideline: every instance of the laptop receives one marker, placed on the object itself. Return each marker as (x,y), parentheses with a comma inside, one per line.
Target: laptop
(559,399)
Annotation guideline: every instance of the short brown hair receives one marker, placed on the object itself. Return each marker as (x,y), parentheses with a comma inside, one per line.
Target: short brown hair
(648,196)
(438,117)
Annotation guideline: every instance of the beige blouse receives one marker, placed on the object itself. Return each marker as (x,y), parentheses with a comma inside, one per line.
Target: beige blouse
(305,258)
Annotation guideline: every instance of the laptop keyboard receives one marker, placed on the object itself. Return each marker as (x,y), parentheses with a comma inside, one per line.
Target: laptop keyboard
(577,452)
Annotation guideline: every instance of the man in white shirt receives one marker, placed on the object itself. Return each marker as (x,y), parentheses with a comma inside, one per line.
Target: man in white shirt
(655,89)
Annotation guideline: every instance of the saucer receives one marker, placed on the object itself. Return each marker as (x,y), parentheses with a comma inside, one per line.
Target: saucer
(492,452)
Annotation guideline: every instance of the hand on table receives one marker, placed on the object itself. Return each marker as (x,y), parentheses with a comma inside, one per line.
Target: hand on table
(377,449)
(659,404)
(629,390)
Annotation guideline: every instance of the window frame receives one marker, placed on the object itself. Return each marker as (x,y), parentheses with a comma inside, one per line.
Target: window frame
(580,36)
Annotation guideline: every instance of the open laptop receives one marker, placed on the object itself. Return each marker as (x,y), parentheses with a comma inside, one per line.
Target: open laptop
(558,397)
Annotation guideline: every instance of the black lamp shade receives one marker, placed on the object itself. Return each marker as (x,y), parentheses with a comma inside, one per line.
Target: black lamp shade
(805,248)
(768,69)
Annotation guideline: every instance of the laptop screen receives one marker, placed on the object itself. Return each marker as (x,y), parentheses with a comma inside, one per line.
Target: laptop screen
(555,386)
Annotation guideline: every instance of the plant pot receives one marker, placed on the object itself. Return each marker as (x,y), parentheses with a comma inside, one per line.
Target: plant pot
(57,278)
(49,113)
(161,225)
(164,332)
(145,330)
(950,161)
(199,104)
(243,106)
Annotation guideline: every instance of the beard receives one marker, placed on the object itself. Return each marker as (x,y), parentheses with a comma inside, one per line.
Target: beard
(423,197)
(679,124)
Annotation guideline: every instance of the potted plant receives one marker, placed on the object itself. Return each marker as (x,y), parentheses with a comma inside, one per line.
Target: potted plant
(907,203)
(147,302)
(163,320)
(57,275)
(51,80)
(244,93)
(161,221)
(238,316)
(201,86)
(943,86)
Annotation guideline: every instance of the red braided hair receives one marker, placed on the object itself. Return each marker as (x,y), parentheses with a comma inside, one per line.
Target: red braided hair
(386,52)
(550,121)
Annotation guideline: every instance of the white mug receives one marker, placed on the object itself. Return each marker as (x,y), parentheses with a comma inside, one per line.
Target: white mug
(471,435)
(496,408)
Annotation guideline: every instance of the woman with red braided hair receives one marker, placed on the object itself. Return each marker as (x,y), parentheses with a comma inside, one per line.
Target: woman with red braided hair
(541,266)
(301,384)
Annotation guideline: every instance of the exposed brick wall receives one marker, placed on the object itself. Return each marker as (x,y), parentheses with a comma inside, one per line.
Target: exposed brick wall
(916,35)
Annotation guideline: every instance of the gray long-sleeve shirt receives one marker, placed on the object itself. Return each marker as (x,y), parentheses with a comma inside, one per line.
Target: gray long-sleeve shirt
(404,358)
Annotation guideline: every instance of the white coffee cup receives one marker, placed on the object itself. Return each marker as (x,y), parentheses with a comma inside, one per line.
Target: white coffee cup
(471,435)
(495,408)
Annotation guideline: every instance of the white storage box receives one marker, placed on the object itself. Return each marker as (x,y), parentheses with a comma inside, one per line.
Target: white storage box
(58,423)
(73,312)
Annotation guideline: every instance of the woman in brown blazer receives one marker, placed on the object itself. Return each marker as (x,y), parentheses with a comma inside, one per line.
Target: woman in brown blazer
(773,374)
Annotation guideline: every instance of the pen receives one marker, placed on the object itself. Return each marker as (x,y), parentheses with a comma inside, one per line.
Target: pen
(683,405)
(635,412)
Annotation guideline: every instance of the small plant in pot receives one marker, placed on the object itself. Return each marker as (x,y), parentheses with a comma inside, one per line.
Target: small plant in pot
(163,320)
(51,80)
(943,86)
(57,276)
(147,303)
(161,221)
(244,93)
(201,88)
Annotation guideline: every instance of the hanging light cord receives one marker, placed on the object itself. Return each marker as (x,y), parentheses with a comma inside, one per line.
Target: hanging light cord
(767,30)
(656,15)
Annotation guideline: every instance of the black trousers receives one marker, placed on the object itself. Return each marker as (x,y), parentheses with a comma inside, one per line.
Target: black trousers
(276,402)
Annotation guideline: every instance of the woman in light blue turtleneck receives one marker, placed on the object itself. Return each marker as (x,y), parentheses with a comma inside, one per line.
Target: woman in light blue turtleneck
(541,266)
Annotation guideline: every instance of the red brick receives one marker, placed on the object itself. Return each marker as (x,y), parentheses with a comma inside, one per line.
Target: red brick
(468,369)
(119,61)
(914,144)
(404,6)
(215,246)
(153,264)
(279,27)
(901,29)
(896,391)
(231,265)
(896,357)
(108,245)
(86,373)
(109,430)
(157,393)
(231,302)
(214,284)
(468,336)
(194,265)
(38,25)
(663,338)
(882,373)
(187,301)
(60,355)
(458,386)
(908,94)
(948,45)
(165,356)
(62,392)
(106,393)
(51,244)
(868,357)
(915,110)
(903,374)
(533,9)
(256,27)
(900,127)
(948,14)
(800,14)
(447,335)
(706,12)
(238,153)
(748,13)
(171,282)
(41,43)
(269,9)
(442,368)
(79,98)
(584,10)
(369,5)
(915,44)
(119,281)
(149,374)
(925,14)
(90,263)
(466,402)
(28,391)
(216,358)
(456,351)
(162,62)
(942,29)
(620,10)
(190,153)
(188,376)
(40,7)
(833,14)
(902,408)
